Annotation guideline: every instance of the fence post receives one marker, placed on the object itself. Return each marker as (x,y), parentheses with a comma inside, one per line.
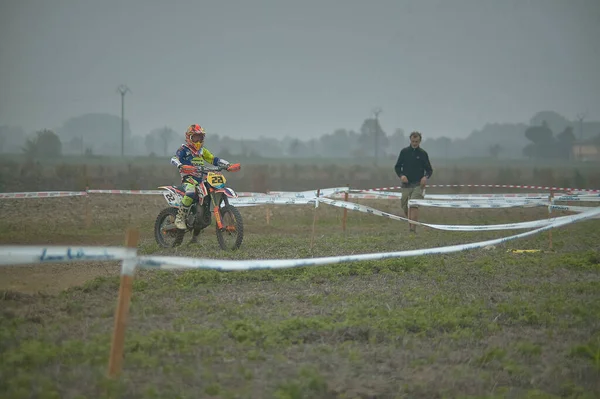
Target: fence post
(115,361)
(88,209)
(312,236)
(345,215)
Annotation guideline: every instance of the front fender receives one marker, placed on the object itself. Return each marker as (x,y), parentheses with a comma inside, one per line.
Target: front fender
(229,192)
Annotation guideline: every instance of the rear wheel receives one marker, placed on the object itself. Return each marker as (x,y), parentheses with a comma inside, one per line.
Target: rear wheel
(167,235)
(231,236)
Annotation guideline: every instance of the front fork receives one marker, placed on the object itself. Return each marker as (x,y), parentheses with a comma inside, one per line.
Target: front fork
(216,199)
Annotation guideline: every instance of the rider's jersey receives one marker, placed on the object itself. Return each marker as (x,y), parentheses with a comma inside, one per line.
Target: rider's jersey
(184,156)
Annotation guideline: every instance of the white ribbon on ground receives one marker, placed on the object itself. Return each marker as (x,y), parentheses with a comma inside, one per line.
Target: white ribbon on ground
(166,262)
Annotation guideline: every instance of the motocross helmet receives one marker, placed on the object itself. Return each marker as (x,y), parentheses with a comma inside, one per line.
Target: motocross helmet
(194,137)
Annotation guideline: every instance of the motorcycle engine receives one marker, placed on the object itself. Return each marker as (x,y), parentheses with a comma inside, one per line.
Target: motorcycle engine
(203,218)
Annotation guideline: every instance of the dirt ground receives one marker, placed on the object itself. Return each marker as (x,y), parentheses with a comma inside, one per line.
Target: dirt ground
(53,278)
(100,220)
(488,323)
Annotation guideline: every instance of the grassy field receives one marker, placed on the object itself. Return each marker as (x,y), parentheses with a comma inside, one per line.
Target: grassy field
(486,323)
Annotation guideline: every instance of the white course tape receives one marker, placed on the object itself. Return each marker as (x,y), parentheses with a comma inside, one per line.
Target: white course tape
(479,205)
(250,194)
(361,196)
(583,198)
(378,193)
(27,254)
(570,208)
(166,262)
(491,227)
(247,201)
(507,196)
(477,197)
(142,192)
(43,194)
(547,188)
(468,197)
(326,192)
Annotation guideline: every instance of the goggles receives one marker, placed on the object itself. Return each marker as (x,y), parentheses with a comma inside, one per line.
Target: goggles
(197,137)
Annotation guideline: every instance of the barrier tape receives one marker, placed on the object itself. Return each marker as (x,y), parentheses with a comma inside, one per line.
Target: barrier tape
(490,197)
(478,205)
(467,196)
(166,262)
(566,189)
(44,194)
(326,192)
(27,254)
(481,198)
(269,200)
(14,255)
(491,227)
(138,192)
(329,192)
(570,208)
(582,198)
(250,194)
(361,196)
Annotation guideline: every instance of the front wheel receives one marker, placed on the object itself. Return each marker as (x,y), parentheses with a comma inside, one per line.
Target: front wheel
(167,235)
(232,234)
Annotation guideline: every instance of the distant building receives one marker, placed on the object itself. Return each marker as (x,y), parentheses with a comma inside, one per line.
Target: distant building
(588,150)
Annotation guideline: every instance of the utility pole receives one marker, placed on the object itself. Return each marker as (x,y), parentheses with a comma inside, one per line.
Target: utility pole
(122,89)
(580,118)
(376,112)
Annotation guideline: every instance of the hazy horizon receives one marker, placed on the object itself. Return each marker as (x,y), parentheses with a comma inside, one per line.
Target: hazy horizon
(277,69)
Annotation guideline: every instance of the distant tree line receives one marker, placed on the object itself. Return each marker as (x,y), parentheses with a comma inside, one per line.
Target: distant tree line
(100,134)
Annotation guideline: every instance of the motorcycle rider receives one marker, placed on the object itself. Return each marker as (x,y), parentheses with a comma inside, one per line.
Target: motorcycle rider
(191,154)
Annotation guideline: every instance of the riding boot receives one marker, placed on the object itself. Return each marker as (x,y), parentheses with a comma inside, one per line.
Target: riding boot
(182,213)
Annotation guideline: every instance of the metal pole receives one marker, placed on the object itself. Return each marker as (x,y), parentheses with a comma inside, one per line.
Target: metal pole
(122,124)
(376,111)
(580,117)
(122,89)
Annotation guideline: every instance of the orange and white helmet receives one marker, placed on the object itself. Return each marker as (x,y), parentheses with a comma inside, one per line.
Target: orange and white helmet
(194,137)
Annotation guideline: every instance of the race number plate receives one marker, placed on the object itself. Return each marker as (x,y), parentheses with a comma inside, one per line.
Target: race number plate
(216,180)
(174,199)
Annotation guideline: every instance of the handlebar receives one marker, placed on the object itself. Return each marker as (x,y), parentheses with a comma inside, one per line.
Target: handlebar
(212,168)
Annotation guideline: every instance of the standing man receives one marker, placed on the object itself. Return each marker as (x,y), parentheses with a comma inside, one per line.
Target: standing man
(413,168)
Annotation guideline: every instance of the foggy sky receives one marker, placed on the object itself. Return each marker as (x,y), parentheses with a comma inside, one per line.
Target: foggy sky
(276,68)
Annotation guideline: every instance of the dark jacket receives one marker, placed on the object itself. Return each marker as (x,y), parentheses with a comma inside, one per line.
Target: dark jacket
(414,164)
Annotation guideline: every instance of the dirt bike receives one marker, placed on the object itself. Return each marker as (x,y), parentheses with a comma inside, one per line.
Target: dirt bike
(213,197)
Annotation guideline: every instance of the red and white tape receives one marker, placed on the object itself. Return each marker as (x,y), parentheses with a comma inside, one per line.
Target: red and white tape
(566,189)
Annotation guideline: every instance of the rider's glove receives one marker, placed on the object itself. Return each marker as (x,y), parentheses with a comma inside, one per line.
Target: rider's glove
(187,169)
(223,162)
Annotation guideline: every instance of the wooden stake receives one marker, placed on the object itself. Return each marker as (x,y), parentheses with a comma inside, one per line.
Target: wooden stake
(88,210)
(312,236)
(268,214)
(345,216)
(115,360)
